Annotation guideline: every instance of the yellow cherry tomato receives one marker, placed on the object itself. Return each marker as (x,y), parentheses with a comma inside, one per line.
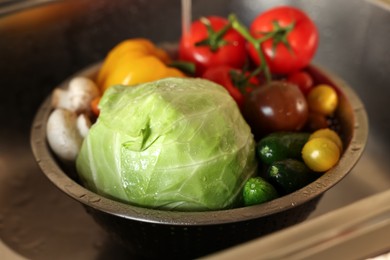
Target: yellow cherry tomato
(322,99)
(320,154)
(330,134)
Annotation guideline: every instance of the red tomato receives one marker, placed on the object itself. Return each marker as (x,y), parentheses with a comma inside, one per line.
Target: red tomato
(291,27)
(230,48)
(302,79)
(235,81)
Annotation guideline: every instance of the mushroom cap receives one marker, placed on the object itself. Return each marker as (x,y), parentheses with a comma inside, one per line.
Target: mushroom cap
(63,135)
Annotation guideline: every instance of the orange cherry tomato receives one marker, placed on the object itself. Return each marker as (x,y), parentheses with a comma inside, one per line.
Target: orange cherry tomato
(322,99)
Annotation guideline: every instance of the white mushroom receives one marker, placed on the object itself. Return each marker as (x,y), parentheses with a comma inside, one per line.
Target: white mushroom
(83,124)
(69,122)
(63,133)
(77,97)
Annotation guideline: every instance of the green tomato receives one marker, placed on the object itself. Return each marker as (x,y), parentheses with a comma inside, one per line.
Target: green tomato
(257,191)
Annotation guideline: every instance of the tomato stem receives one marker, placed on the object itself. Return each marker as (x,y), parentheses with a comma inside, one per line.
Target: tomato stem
(214,38)
(185,66)
(278,35)
(240,80)
(256,43)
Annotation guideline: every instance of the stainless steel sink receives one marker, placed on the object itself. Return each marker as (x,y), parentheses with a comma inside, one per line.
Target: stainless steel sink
(44,42)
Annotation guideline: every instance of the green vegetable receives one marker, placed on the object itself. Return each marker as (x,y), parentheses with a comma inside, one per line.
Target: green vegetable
(289,175)
(257,191)
(281,145)
(175,144)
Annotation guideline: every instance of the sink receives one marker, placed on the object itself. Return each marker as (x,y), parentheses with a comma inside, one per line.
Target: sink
(44,42)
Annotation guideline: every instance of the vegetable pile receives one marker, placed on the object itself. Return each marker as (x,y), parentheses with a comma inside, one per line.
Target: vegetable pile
(235,119)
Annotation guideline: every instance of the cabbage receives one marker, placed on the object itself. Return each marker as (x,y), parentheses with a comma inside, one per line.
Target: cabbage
(175,144)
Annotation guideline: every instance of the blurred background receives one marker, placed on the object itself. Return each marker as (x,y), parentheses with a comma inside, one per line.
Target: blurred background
(44,42)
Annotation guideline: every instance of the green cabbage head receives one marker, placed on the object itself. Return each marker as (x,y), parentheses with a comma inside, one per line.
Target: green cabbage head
(175,144)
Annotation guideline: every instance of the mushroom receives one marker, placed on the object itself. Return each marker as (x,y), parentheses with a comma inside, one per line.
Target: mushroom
(65,132)
(69,123)
(77,97)
(83,124)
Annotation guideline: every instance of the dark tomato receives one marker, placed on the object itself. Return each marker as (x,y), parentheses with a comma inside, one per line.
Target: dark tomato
(316,121)
(300,33)
(232,52)
(275,106)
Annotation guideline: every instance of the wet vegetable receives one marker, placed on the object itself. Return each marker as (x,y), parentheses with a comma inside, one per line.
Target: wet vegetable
(290,39)
(135,61)
(330,134)
(316,121)
(236,81)
(212,42)
(276,106)
(175,144)
(289,175)
(281,145)
(257,191)
(302,79)
(320,154)
(323,99)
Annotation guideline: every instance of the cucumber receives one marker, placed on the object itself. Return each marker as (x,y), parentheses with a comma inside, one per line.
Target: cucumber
(281,145)
(257,190)
(289,175)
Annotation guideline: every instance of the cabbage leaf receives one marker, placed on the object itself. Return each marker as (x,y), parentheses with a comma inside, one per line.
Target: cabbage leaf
(174,144)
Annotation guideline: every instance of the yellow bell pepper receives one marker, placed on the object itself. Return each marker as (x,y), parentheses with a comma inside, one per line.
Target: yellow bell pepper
(135,61)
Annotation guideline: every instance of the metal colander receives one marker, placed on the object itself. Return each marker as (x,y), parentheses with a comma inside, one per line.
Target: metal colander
(155,233)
